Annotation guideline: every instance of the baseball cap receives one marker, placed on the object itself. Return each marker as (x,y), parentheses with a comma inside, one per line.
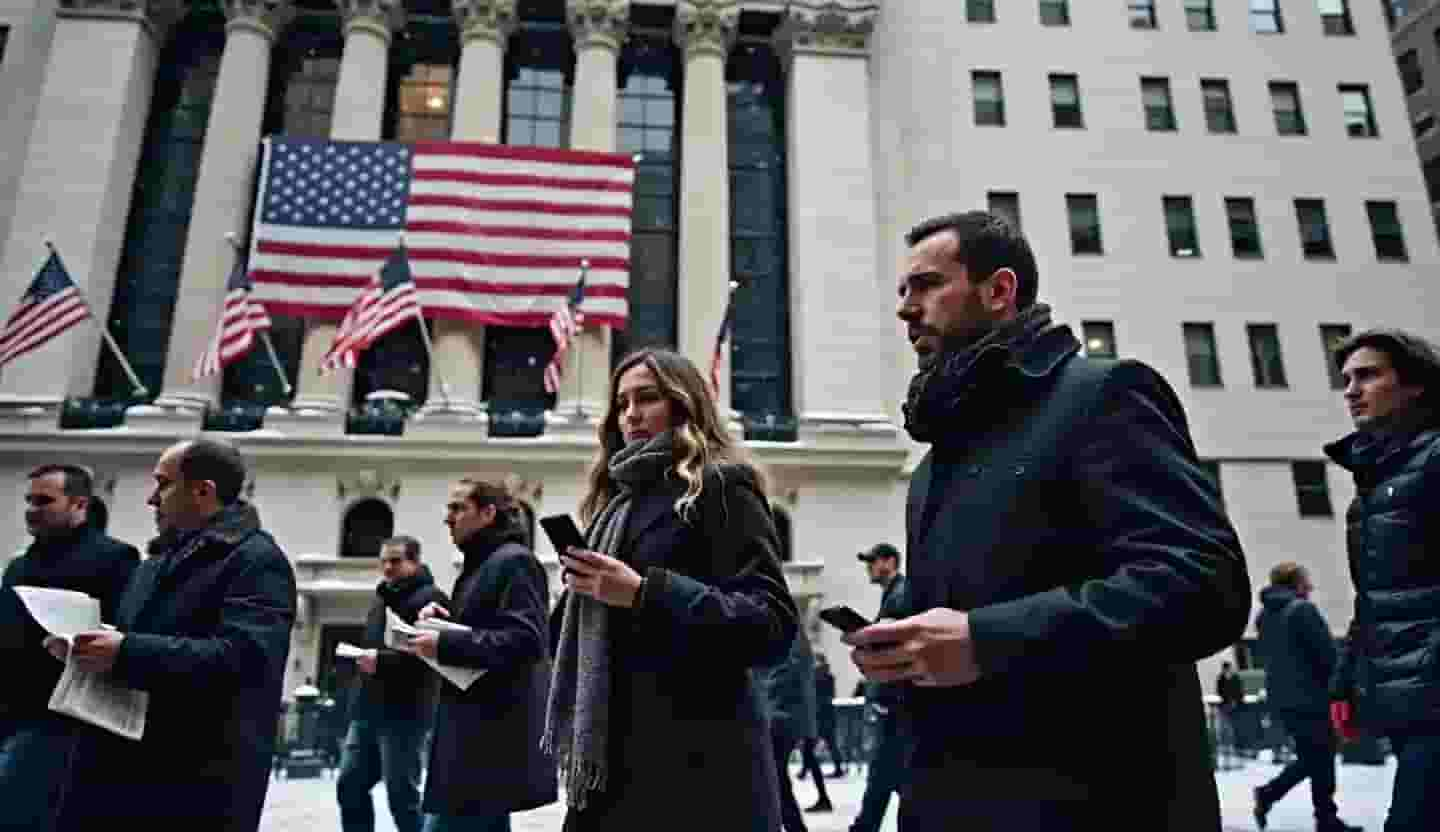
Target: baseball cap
(879,550)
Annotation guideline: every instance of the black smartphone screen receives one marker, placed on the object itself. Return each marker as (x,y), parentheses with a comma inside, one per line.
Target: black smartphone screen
(844,619)
(563,532)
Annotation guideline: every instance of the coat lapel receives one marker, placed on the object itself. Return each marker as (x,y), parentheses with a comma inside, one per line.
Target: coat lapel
(138,594)
(646,511)
(919,495)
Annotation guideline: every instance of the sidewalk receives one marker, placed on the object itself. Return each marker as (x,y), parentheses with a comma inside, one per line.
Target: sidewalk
(1363,795)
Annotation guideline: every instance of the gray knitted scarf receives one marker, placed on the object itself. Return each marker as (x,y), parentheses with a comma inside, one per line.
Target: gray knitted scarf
(577,719)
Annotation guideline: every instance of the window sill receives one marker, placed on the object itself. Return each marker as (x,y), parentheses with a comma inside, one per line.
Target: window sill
(1202,386)
(1256,257)
(1320,258)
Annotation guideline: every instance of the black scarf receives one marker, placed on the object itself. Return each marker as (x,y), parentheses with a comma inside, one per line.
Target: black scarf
(941,396)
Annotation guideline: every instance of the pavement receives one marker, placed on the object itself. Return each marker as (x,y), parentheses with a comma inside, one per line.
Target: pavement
(1363,795)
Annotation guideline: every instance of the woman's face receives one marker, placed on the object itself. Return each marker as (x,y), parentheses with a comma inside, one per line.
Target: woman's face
(641,410)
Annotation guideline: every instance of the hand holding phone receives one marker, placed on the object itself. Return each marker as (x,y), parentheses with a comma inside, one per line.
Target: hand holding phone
(563,533)
(844,619)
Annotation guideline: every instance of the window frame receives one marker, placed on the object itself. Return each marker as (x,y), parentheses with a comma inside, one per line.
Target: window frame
(1223,87)
(1273,13)
(1206,332)
(978,76)
(1331,335)
(1062,6)
(1077,202)
(1173,208)
(1207,9)
(1099,330)
(1292,90)
(1310,489)
(1268,369)
(980,11)
(1401,252)
(1059,113)
(1248,204)
(1143,14)
(1303,204)
(1158,120)
(1370,128)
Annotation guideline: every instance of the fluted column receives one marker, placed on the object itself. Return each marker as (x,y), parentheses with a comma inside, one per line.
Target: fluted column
(704,29)
(833,226)
(79,177)
(359,110)
(222,192)
(598,27)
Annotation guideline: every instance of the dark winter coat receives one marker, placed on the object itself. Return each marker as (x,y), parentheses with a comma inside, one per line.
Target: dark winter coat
(789,691)
(1390,666)
(207,636)
(1298,650)
(485,758)
(1069,515)
(402,688)
(688,738)
(84,561)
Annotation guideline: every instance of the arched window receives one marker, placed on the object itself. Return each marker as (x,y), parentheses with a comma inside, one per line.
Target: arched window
(367,523)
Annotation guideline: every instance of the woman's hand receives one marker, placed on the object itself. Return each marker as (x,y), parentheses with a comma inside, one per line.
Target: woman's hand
(608,580)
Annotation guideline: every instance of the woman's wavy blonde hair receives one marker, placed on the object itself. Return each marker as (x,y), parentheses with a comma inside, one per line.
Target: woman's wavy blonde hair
(701,437)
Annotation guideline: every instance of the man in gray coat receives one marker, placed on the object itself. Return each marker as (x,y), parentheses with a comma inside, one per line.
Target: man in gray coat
(789,689)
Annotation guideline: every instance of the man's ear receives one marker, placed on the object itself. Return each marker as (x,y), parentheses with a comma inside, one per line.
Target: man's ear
(1001,290)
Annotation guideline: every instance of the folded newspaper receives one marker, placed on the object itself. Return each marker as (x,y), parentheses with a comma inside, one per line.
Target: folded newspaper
(397,637)
(91,697)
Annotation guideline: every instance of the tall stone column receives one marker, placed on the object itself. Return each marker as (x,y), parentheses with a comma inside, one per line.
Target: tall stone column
(359,109)
(79,177)
(485,27)
(222,193)
(836,315)
(704,29)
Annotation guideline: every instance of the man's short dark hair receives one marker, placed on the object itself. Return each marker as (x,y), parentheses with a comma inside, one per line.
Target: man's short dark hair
(880,550)
(988,243)
(219,462)
(412,546)
(1288,574)
(1416,361)
(79,482)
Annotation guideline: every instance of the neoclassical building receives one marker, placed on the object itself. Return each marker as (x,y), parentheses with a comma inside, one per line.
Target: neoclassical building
(1218,188)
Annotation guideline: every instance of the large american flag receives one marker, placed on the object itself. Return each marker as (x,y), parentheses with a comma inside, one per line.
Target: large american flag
(50,306)
(495,232)
(241,317)
(389,302)
(564,324)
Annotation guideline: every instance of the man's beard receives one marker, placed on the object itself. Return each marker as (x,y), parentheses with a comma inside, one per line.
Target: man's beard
(951,344)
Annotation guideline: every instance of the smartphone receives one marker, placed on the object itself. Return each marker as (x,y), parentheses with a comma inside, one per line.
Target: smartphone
(563,532)
(844,619)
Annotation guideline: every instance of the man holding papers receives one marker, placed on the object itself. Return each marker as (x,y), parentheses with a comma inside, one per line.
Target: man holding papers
(485,761)
(67,552)
(204,629)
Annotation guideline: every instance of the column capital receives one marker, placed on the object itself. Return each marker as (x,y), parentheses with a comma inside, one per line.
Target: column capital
(265,17)
(491,20)
(601,23)
(706,26)
(157,16)
(379,17)
(835,27)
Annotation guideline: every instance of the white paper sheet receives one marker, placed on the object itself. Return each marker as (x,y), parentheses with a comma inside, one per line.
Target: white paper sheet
(346,650)
(397,637)
(61,612)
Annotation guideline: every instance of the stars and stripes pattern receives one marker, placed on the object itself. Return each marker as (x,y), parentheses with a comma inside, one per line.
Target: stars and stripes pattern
(722,338)
(564,326)
(495,232)
(241,319)
(389,302)
(51,305)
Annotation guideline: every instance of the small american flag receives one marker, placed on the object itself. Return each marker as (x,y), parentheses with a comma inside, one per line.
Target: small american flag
(721,338)
(241,317)
(389,302)
(564,326)
(50,306)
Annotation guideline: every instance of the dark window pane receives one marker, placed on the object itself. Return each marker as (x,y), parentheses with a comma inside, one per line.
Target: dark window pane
(980,11)
(1411,75)
(1335,17)
(1099,339)
(1314,229)
(1244,230)
(1289,118)
(1180,227)
(1201,356)
(1142,14)
(1005,204)
(1155,94)
(1385,230)
(1084,211)
(1065,101)
(1265,355)
(1219,113)
(989,98)
(1055,12)
(1312,493)
(1200,15)
(1359,115)
(1331,336)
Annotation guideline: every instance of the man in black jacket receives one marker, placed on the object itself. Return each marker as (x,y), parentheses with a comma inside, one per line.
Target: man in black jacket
(67,552)
(788,691)
(392,700)
(1069,563)
(1388,678)
(204,628)
(1299,655)
(886,773)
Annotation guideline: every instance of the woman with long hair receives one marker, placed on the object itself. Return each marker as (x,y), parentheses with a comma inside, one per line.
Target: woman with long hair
(676,597)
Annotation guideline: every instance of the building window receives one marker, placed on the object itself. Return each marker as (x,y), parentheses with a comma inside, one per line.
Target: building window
(1411,75)
(1099,338)
(398,362)
(424,104)
(1359,116)
(1159,112)
(1314,229)
(4,36)
(1265,17)
(367,524)
(649,108)
(1385,230)
(1065,101)
(1005,204)
(1201,355)
(1142,14)
(1219,111)
(1394,10)
(1289,118)
(1312,494)
(1424,124)
(1431,171)
(980,11)
(1055,12)
(1331,337)
(1265,355)
(1180,227)
(1084,210)
(1200,15)
(989,98)
(1335,17)
(1244,230)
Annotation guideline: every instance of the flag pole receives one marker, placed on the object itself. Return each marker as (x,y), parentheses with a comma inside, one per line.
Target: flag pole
(233,239)
(140,389)
(580,350)
(429,348)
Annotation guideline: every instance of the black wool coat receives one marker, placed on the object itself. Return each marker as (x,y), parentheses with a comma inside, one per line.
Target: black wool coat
(485,756)
(688,736)
(403,687)
(1069,516)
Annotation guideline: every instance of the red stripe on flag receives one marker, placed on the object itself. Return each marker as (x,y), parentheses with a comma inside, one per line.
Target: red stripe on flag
(520,180)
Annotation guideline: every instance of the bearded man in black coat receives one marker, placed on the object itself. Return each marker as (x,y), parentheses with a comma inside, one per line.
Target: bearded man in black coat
(1069,559)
